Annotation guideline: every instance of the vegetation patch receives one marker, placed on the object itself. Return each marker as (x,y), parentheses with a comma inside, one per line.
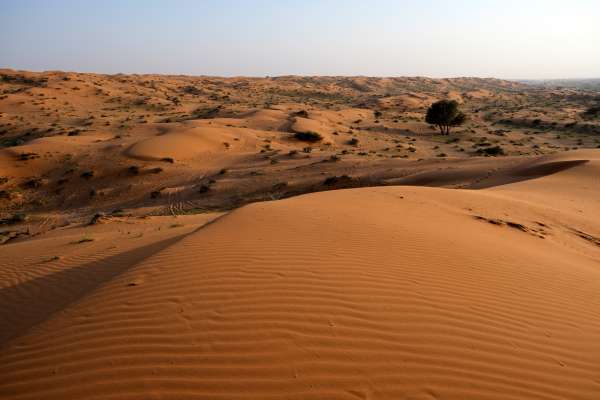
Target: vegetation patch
(308,136)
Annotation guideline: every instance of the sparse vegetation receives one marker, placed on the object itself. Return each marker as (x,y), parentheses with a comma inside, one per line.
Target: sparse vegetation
(491,151)
(87,174)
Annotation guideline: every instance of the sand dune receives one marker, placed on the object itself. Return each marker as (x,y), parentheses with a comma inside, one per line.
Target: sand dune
(188,143)
(118,280)
(376,293)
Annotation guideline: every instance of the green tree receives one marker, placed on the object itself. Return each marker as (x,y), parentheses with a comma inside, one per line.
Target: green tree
(445,114)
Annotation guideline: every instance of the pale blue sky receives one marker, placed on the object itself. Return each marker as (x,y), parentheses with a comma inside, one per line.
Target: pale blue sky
(501,38)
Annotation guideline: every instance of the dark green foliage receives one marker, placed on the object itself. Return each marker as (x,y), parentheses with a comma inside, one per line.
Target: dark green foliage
(308,136)
(491,151)
(445,114)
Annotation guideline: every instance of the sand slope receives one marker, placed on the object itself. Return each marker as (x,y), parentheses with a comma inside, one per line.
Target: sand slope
(375,293)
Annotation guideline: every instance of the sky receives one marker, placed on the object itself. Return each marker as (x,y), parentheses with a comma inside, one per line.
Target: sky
(525,39)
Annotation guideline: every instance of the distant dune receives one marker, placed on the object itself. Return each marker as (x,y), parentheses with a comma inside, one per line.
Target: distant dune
(73,144)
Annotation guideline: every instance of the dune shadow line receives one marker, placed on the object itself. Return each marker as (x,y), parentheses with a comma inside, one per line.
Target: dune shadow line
(28,304)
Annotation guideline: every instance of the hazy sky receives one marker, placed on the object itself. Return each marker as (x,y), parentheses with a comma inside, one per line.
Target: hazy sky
(501,38)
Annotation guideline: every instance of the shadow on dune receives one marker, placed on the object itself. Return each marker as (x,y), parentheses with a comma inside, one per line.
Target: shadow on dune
(524,173)
(478,178)
(457,176)
(30,303)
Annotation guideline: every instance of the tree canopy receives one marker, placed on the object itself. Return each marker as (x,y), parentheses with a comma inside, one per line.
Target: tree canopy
(445,114)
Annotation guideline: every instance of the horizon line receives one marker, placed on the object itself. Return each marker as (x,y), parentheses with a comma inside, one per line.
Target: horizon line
(266,76)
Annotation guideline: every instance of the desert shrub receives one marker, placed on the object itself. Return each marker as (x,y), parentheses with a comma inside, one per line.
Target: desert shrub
(308,136)
(96,218)
(191,90)
(353,142)
(28,156)
(302,114)
(34,183)
(491,151)
(203,188)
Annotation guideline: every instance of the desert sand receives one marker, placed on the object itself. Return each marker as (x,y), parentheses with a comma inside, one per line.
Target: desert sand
(214,258)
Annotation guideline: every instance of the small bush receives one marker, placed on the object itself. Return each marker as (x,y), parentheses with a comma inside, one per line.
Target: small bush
(308,136)
(34,183)
(203,189)
(491,151)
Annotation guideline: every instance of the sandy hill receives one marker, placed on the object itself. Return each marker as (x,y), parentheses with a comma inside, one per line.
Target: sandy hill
(181,237)
(396,292)
(73,145)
